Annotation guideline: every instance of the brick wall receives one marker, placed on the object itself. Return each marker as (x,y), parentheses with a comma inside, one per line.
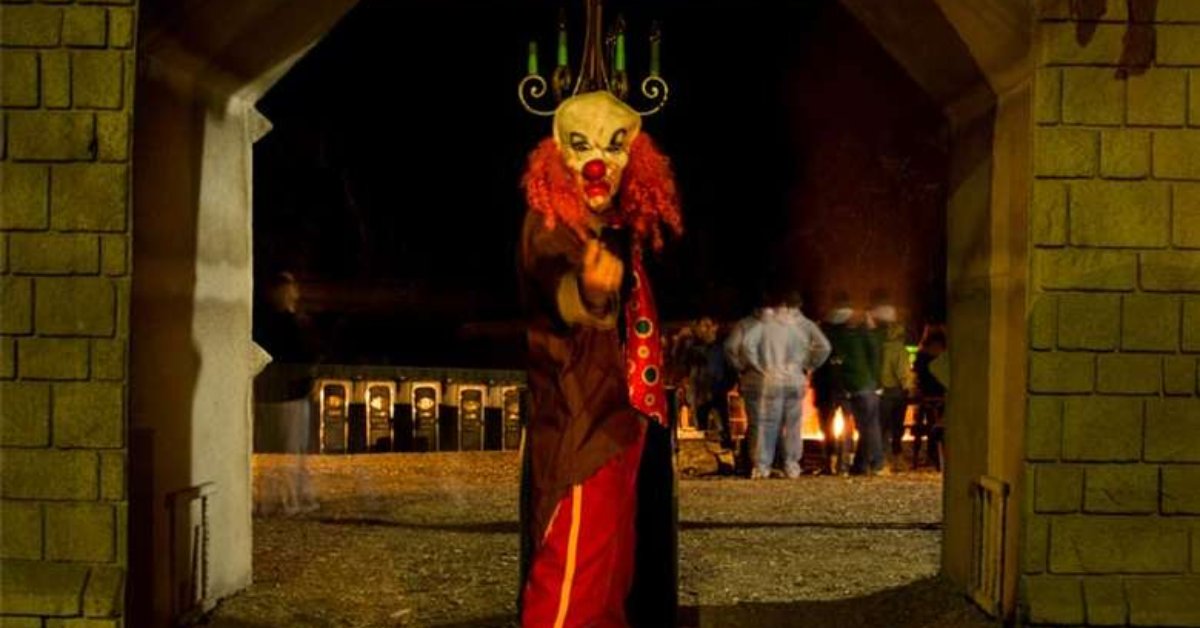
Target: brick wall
(1112,532)
(66,93)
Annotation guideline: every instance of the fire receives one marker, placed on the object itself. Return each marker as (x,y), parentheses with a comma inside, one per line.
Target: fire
(839,423)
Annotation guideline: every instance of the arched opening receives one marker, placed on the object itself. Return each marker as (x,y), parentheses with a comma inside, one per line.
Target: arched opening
(195,267)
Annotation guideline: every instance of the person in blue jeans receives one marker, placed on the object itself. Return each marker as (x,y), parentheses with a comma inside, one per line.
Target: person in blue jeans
(859,352)
(773,354)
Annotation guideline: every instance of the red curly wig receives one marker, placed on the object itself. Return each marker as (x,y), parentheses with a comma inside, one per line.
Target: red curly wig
(647,198)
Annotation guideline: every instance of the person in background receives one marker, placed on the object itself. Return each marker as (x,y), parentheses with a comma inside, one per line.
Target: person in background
(829,392)
(931,394)
(816,353)
(895,374)
(774,351)
(859,350)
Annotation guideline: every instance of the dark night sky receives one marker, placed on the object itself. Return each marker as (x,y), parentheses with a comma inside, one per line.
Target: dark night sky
(389,182)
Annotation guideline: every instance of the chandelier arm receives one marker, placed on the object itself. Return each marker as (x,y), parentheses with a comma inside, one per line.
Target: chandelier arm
(655,89)
(536,86)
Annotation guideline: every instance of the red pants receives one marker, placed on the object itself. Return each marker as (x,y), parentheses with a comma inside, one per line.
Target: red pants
(583,569)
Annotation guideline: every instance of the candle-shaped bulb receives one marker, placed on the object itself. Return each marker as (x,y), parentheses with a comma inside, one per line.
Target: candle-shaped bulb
(655,49)
(533,60)
(619,60)
(562,37)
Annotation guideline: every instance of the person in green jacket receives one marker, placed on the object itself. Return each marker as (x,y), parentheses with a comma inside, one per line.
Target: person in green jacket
(895,375)
(857,348)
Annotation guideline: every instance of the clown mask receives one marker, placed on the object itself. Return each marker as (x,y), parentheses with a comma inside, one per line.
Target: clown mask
(594,132)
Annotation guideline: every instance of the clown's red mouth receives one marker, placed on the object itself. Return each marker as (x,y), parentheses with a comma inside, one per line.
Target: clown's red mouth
(596,188)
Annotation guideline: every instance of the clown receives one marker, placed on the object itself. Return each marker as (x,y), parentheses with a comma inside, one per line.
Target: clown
(598,193)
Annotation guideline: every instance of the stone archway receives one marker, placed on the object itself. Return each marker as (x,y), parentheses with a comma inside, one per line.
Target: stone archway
(205,65)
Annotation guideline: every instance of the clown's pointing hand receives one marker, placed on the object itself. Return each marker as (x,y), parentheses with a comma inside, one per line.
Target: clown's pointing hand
(601,276)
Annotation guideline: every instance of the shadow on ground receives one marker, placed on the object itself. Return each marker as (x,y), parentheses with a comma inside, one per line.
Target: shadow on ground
(927,603)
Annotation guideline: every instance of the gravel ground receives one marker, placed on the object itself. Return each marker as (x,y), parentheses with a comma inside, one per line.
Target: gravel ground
(430,540)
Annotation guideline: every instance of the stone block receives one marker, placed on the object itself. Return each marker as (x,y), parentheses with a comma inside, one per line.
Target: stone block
(112,475)
(1086,269)
(1124,154)
(1035,544)
(1118,545)
(8,357)
(1163,601)
(1194,97)
(89,197)
(1170,271)
(1115,214)
(85,27)
(1043,321)
(54,253)
(50,135)
(1178,45)
(16,305)
(1093,96)
(1181,490)
(1059,372)
(19,79)
(81,622)
(83,532)
(1066,152)
(105,592)
(1058,488)
(20,530)
(1186,215)
(1121,488)
(1049,213)
(24,196)
(1102,429)
(113,254)
(120,28)
(89,415)
(1191,324)
(112,135)
(53,358)
(48,474)
(25,408)
(1061,47)
(1126,374)
(1158,98)
(31,25)
(1179,375)
(1105,601)
(1178,11)
(98,79)
(1089,321)
(56,79)
(42,588)
(1043,428)
(108,360)
(1150,322)
(1048,94)
(1177,154)
(75,306)
(1173,430)
(1053,599)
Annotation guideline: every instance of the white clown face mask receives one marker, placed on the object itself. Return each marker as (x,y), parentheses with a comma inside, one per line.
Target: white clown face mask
(594,132)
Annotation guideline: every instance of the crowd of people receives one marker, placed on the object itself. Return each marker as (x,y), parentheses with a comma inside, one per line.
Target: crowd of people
(855,360)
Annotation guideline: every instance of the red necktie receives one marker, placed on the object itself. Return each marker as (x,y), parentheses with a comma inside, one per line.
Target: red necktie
(643,349)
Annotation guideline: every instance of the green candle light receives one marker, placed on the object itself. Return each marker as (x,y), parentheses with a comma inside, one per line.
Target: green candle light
(619,62)
(562,38)
(533,61)
(655,49)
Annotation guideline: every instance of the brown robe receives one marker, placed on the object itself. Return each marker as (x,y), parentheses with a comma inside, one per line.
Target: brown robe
(580,414)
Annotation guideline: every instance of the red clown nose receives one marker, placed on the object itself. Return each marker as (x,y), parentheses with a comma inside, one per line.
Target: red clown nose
(594,170)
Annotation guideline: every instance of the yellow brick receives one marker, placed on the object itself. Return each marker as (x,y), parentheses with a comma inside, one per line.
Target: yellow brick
(1102,429)
(90,197)
(1186,216)
(1179,44)
(1120,214)
(1104,545)
(1163,601)
(1066,152)
(80,532)
(120,28)
(1194,97)
(56,78)
(1124,154)
(1086,269)
(1158,97)
(25,407)
(1170,271)
(86,27)
(49,474)
(20,530)
(1092,96)
(16,305)
(1177,154)
(18,78)
(30,25)
(1053,599)
(51,136)
(89,415)
(1049,95)
(97,80)
(112,134)
(54,253)
(75,306)
(53,358)
(24,196)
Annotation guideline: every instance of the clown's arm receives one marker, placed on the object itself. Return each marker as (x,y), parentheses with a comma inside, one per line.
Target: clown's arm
(580,281)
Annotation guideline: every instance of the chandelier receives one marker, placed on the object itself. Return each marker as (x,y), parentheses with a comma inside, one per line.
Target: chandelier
(600,52)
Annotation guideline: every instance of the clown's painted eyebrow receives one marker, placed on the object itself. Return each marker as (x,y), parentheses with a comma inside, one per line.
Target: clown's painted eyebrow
(618,139)
(578,141)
